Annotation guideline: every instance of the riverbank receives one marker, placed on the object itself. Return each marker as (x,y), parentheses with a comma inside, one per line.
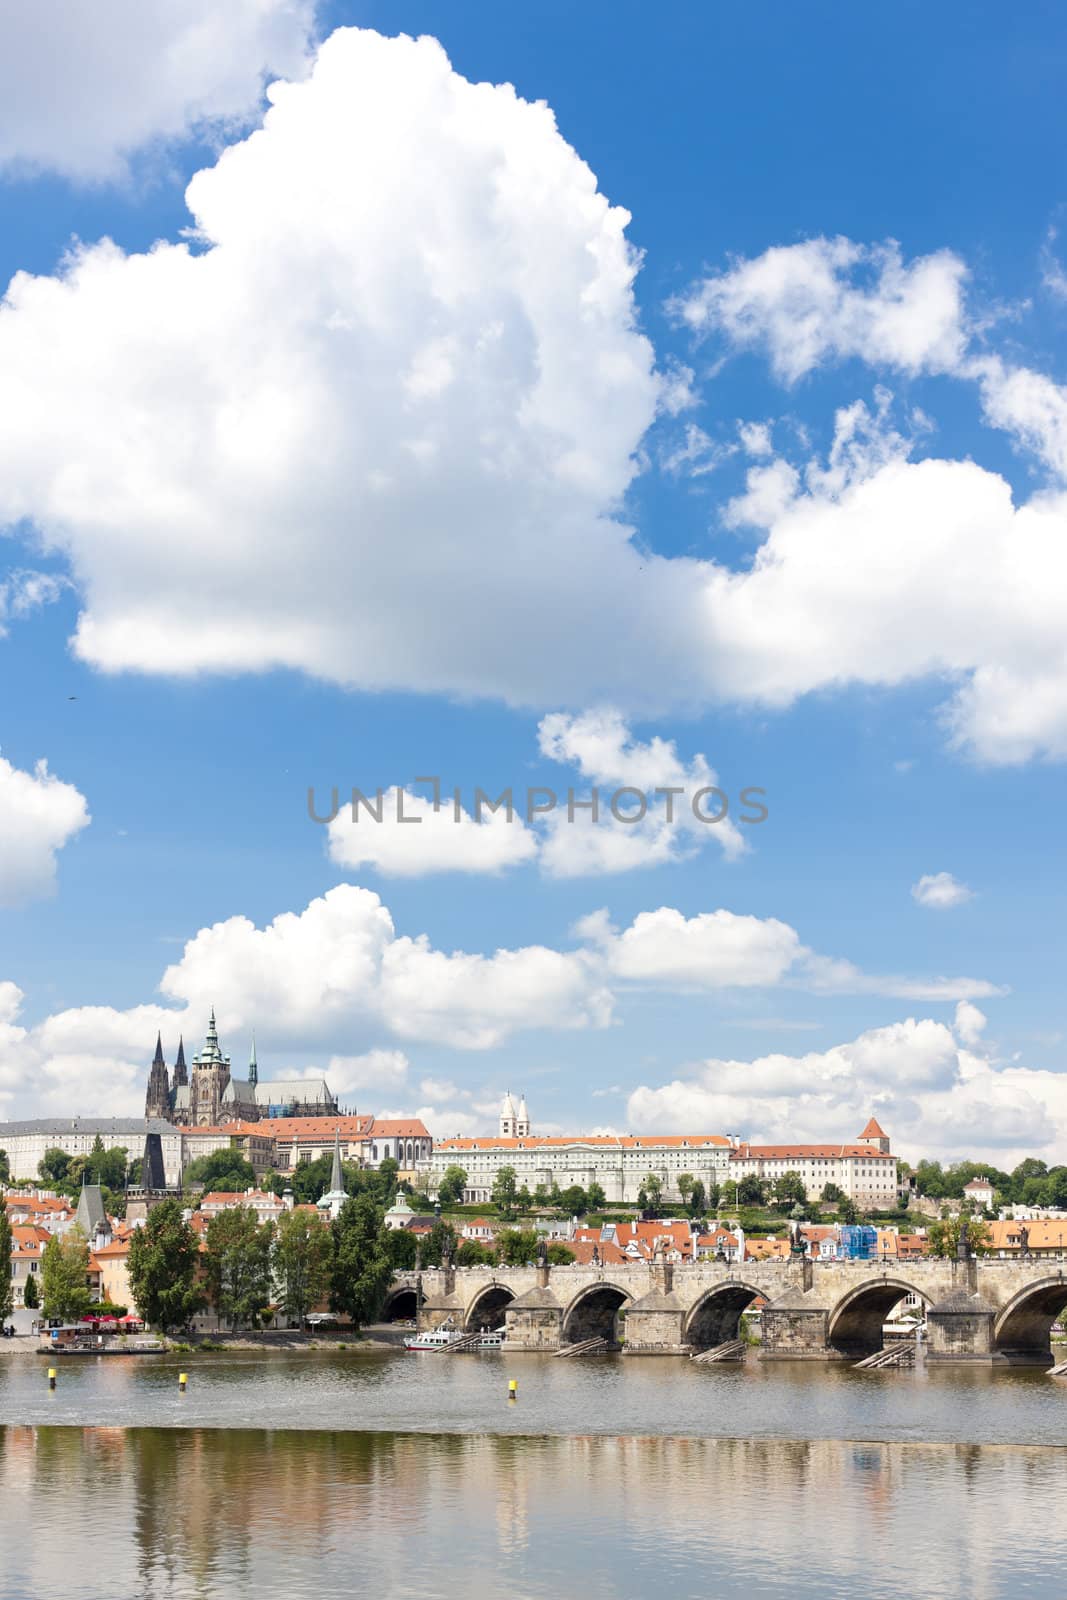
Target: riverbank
(288,1341)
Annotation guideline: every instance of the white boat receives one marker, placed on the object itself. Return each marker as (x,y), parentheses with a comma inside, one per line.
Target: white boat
(435,1339)
(492,1338)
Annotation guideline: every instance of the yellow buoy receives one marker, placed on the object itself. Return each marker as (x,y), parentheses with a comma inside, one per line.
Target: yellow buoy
(183,1379)
(513,1388)
(51,1377)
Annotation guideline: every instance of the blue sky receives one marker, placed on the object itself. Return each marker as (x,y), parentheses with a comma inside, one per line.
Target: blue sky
(406,453)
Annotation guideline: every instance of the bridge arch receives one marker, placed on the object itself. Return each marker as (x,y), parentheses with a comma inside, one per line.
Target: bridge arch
(716,1316)
(1023,1327)
(487,1308)
(855,1323)
(401,1304)
(594,1314)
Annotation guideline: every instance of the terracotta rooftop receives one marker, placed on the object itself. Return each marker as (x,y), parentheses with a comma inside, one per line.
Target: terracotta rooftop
(873,1131)
(599,1141)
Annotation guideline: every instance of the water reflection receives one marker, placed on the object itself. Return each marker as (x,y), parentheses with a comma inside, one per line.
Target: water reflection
(179,1513)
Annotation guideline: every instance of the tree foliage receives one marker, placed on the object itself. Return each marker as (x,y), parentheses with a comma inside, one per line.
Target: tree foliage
(303,1261)
(237,1265)
(31,1297)
(163,1262)
(505,1192)
(64,1273)
(944,1235)
(361,1266)
(750,1191)
(7,1289)
(450,1189)
(224,1171)
(517,1246)
(789,1191)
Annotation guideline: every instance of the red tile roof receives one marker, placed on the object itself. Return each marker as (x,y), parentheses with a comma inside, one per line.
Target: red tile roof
(873,1131)
(807,1152)
(599,1141)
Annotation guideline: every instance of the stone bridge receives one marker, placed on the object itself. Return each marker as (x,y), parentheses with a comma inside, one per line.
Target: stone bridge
(978,1310)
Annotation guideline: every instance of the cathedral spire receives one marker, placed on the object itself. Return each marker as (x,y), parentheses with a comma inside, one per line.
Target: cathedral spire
(157,1059)
(337,1182)
(253,1067)
(157,1096)
(181,1071)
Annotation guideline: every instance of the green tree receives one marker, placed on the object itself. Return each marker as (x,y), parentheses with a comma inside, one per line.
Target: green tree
(401,1247)
(237,1265)
(559,1255)
(223,1171)
(106,1167)
(728,1194)
(440,1240)
(831,1193)
(54,1166)
(685,1186)
(698,1200)
(525,1200)
(595,1197)
(575,1201)
(7,1289)
(388,1167)
(517,1246)
(473,1253)
(302,1259)
(789,1191)
(451,1187)
(31,1299)
(714,1196)
(5,1167)
(361,1267)
(64,1271)
(505,1192)
(944,1235)
(652,1189)
(750,1191)
(163,1268)
(847,1212)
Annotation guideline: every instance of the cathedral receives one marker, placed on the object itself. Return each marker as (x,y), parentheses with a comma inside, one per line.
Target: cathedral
(208,1095)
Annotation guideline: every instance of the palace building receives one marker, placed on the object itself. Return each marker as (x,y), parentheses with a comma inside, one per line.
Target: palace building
(865,1170)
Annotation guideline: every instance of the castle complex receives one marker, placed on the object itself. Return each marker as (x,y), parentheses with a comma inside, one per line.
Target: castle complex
(209,1094)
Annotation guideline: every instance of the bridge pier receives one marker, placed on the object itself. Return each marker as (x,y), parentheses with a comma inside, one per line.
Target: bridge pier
(960,1328)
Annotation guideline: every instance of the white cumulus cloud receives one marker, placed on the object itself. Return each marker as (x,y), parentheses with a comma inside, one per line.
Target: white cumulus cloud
(929,1089)
(39,814)
(940,891)
(82,87)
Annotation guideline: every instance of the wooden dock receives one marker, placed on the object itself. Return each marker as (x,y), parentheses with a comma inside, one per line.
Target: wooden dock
(732,1350)
(894,1355)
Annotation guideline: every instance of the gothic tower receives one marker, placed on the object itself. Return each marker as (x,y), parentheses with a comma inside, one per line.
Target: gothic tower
(211,1074)
(181,1071)
(507,1117)
(157,1100)
(253,1065)
(522,1121)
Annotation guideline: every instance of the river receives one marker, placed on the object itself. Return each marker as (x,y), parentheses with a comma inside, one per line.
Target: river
(392,1475)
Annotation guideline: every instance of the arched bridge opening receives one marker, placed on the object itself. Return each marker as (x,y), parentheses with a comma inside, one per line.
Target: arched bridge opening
(716,1317)
(857,1321)
(487,1309)
(401,1305)
(595,1314)
(1022,1333)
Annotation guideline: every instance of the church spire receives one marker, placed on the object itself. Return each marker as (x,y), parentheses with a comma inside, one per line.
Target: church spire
(157,1059)
(253,1066)
(157,1096)
(181,1071)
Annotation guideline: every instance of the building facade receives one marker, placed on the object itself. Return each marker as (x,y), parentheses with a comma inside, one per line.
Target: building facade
(26,1142)
(865,1171)
(620,1164)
